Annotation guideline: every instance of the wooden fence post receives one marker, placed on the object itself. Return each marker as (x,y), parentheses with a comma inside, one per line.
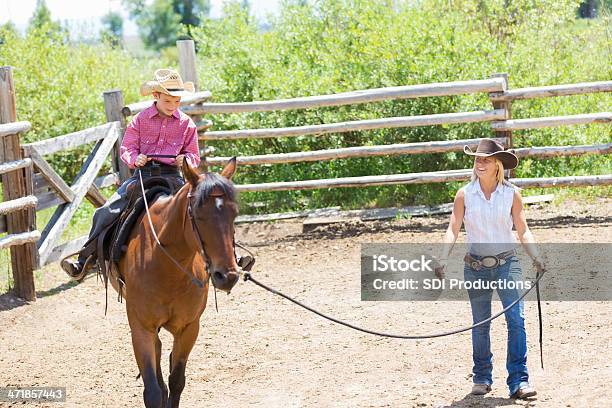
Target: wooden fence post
(113,104)
(507,107)
(187,61)
(187,66)
(17,184)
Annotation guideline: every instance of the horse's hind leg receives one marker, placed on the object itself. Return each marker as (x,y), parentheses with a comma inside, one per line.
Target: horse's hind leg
(183,343)
(145,344)
(160,376)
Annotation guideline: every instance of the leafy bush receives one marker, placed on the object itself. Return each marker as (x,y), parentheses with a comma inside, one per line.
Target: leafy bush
(330,46)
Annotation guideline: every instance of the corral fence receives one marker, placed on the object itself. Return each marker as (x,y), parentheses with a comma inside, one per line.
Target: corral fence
(30,183)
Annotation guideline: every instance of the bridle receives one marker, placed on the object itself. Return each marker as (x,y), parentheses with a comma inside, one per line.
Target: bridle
(207,260)
(244,266)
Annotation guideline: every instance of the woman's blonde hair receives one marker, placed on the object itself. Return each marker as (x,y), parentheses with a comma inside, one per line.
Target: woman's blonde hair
(499,175)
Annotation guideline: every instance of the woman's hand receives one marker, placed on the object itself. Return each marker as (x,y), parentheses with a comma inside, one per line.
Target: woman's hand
(440,267)
(141,160)
(179,160)
(539,266)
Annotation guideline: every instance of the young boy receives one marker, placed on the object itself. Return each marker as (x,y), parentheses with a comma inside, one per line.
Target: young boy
(161,129)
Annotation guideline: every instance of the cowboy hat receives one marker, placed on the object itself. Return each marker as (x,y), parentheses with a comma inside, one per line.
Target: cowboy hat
(490,148)
(169,82)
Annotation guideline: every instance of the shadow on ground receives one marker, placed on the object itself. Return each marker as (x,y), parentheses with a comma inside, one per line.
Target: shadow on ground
(10,301)
(480,401)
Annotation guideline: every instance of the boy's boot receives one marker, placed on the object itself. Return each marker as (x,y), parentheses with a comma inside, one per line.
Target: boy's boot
(79,268)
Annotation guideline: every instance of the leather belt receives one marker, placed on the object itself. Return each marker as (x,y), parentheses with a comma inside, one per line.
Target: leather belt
(159,170)
(489,261)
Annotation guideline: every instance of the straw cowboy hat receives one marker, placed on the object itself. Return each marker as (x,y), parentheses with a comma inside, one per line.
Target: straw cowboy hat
(490,148)
(169,82)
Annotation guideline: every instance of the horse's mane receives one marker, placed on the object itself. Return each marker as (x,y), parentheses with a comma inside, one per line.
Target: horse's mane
(211,182)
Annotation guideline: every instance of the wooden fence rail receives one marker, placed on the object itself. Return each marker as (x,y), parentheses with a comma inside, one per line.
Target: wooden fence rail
(70,140)
(20,239)
(14,128)
(559,151)
(566,181)
(552,121)
(350,152)
(18,204)
(362,181)
(551,91)
(354,97)
(408,148)
(422,178)
(369,124)
(15,165)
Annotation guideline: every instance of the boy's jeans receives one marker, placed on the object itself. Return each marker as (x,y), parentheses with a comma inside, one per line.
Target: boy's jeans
(480,300)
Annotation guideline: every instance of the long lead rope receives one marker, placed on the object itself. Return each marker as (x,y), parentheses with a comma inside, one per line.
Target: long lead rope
(249,277)
(538,275)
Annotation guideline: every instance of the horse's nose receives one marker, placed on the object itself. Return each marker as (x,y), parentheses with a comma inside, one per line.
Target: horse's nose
(225,280)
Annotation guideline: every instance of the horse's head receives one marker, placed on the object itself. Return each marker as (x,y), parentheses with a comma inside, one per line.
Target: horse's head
(213,209)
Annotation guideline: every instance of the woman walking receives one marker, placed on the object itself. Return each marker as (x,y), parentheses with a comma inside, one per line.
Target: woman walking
(489,206)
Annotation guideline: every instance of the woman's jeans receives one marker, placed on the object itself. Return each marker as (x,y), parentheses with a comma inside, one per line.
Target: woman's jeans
(480,300)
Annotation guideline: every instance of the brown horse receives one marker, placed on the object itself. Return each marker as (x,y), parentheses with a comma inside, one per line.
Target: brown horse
(195,226)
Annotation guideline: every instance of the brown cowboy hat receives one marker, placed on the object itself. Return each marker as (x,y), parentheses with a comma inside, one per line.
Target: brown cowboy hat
(488,148)
(169,82)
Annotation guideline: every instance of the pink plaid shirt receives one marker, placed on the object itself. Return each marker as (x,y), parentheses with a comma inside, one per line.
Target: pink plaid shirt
(150,133)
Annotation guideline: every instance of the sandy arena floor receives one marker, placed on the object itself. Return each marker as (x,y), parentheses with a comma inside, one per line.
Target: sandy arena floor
(262,351)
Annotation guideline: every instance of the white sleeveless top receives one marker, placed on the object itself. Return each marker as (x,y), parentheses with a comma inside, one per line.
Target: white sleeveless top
(488,223)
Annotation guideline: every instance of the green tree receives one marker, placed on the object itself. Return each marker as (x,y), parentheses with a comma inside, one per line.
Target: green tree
(7,30)
(42,16)
(161,23)
(112,30)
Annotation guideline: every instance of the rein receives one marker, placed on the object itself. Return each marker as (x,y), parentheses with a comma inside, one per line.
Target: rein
(196,281)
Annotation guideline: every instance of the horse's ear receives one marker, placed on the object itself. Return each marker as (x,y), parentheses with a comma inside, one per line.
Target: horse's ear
(190,174)
(229,169)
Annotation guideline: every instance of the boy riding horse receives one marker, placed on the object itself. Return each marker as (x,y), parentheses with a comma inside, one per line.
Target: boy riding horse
(160,130)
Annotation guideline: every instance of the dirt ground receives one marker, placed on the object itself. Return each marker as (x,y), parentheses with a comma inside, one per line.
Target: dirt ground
(259,350)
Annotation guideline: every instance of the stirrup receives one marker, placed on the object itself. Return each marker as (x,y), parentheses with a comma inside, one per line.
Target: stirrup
(85,269)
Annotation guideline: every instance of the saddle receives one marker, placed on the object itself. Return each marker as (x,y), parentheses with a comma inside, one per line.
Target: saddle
(110,245)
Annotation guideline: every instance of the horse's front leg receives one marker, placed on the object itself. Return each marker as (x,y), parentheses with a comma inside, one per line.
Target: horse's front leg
(145,342)
(160,376)
(183,343)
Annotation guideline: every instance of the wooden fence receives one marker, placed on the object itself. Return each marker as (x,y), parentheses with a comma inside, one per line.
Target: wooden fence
(499,116)
(30,183)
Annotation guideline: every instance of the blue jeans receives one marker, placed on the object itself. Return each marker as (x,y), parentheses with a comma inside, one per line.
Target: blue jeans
(480,300)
